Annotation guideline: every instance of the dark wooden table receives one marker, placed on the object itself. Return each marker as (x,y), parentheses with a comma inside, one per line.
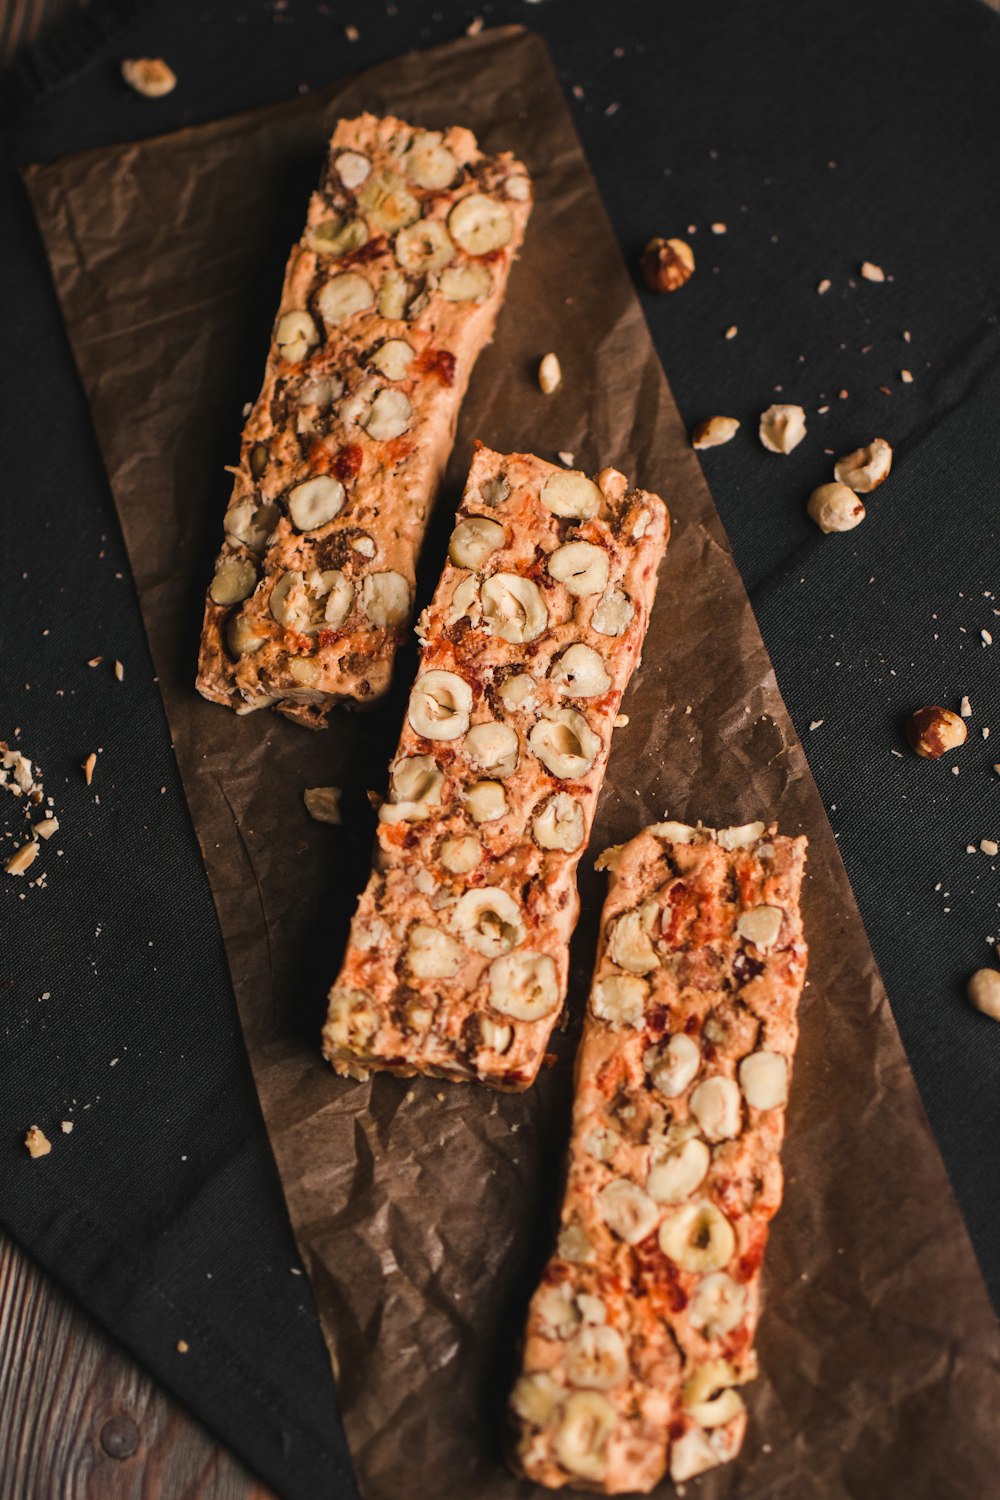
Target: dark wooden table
(79,1420)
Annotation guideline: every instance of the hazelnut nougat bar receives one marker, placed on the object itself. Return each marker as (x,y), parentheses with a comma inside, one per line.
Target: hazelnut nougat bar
(456,963)
(388,299)
(644,1321)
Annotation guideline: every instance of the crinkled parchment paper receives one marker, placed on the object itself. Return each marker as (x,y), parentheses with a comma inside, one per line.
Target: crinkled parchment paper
(424,1210)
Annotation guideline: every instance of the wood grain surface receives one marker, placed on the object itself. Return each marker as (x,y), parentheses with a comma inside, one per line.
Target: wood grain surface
(79,1420)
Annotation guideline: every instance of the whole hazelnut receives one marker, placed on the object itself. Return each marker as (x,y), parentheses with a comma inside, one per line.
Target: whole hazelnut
(983,991)
(667,264)
(933,731)
(866,468)
(835,508)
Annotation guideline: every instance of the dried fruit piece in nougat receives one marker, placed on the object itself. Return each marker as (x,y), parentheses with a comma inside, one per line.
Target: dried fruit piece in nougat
(644,1321)
(388,299)
(457,958)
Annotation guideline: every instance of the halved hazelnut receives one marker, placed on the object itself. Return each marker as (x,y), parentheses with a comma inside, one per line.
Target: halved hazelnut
(470,283)
(834,507)
(715,1104)
(517,693)
(432,954)
(337,236)
(495,1036)
(416,778)
(389,416)
(717,1305)
(679,1173)
(488,920)
(492,747)
(581,1439)
(386,598)
(524,985)
(627,1210)
(580,672)
(564,743)
(235,580)
(571,495)
(294,336)
(440,705)
(596,1358)
(672,1066)
(343,297)
(760,926)
(465,601)
(424,247)
(429,163)
(620,999)
(555,1308)
(352,168)
(495,490)
(667,264)
(474,540)
(304,670)
(243,636)
(535,1399)
(581,567)
(764,1080)
(393,359)
(629,942)
(613,613)
(698,1237)
(251,523)
(782,428)
(386,203)
(393,296)
(479,224)
(866,468)
(714,431)
(933,731)
(460,855)
(560,824)
(339,600)
(513,607)
(315,502)
(740,836)
(485,801)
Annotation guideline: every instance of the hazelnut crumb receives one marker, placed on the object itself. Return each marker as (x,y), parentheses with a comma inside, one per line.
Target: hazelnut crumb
(66,1126)
(351,33)
(983,991)
(990,847)
(95,661)
(22,858)
(906,377)
(719,227)
(475,26)
(621,720)
(119,671)
(714,431)
(987,638)
(667,264)
(37,1143)
(872,272)
(965,708)
(732,331)
(567,458)
(323,803)
(87,767)
(824,286)
(183,1346)
(149,76)
(549,374)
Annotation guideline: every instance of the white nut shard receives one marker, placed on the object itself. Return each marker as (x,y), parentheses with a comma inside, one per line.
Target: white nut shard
(596,1358)
(479,224)
(429,163)
(564,743)
(764,1080)
(393,359)
(866,468)
(613,613)
(295,335)
(740,836)
(571,495)
(581,567)
(620,999)
(492,747)
(698,1237)
(717,1305)
(440,705)
(488,920)
(485,801)
(690,1455)
(386,599)
(495,1035)
(524,985)
(474,540)
(629,943)
(555,1307)
(432,954)
(715,1104)
(339,600)
(251,524)
(580,672)
(714,431)
(389,416)
(560,824)
(673,1065)
(627,1211)
(761,926)
(782,428)
(513,608)
(352,168)
(315,502)
(342,297)
(549,374)
(679,1173)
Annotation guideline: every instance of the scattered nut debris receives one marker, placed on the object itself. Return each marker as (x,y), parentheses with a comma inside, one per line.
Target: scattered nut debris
(95,661)
(933,731)
(714,431)
(866,468)
(37,1142)
(986,637)
(871,272)
(352,33)
(990,847)
(965,708)
(983,991)
(621,720)
(323,803)
(732,331)
(87,767)
(718,228)
(475,26)
(567,458)
(119,671)
(667,264)
(782,428)
(906,377)
(183,1346)
(843,395)
(549,374)
(66,1126)
(824,286)
(835,507)
(149,76)
(22,858)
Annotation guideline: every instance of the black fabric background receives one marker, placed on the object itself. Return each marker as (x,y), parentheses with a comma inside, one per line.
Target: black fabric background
(821,134)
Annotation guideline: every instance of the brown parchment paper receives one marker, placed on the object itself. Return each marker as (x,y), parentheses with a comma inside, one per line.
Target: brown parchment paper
(424,1210)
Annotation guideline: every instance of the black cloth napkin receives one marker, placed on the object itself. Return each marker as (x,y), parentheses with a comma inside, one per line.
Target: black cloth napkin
(820,136)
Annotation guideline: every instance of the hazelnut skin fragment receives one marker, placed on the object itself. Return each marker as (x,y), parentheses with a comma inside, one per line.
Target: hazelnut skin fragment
(933,731)
(667,264)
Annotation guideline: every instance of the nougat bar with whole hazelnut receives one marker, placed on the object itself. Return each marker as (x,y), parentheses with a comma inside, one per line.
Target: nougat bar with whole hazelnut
(457,959)
(643,1324)
(388,299)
